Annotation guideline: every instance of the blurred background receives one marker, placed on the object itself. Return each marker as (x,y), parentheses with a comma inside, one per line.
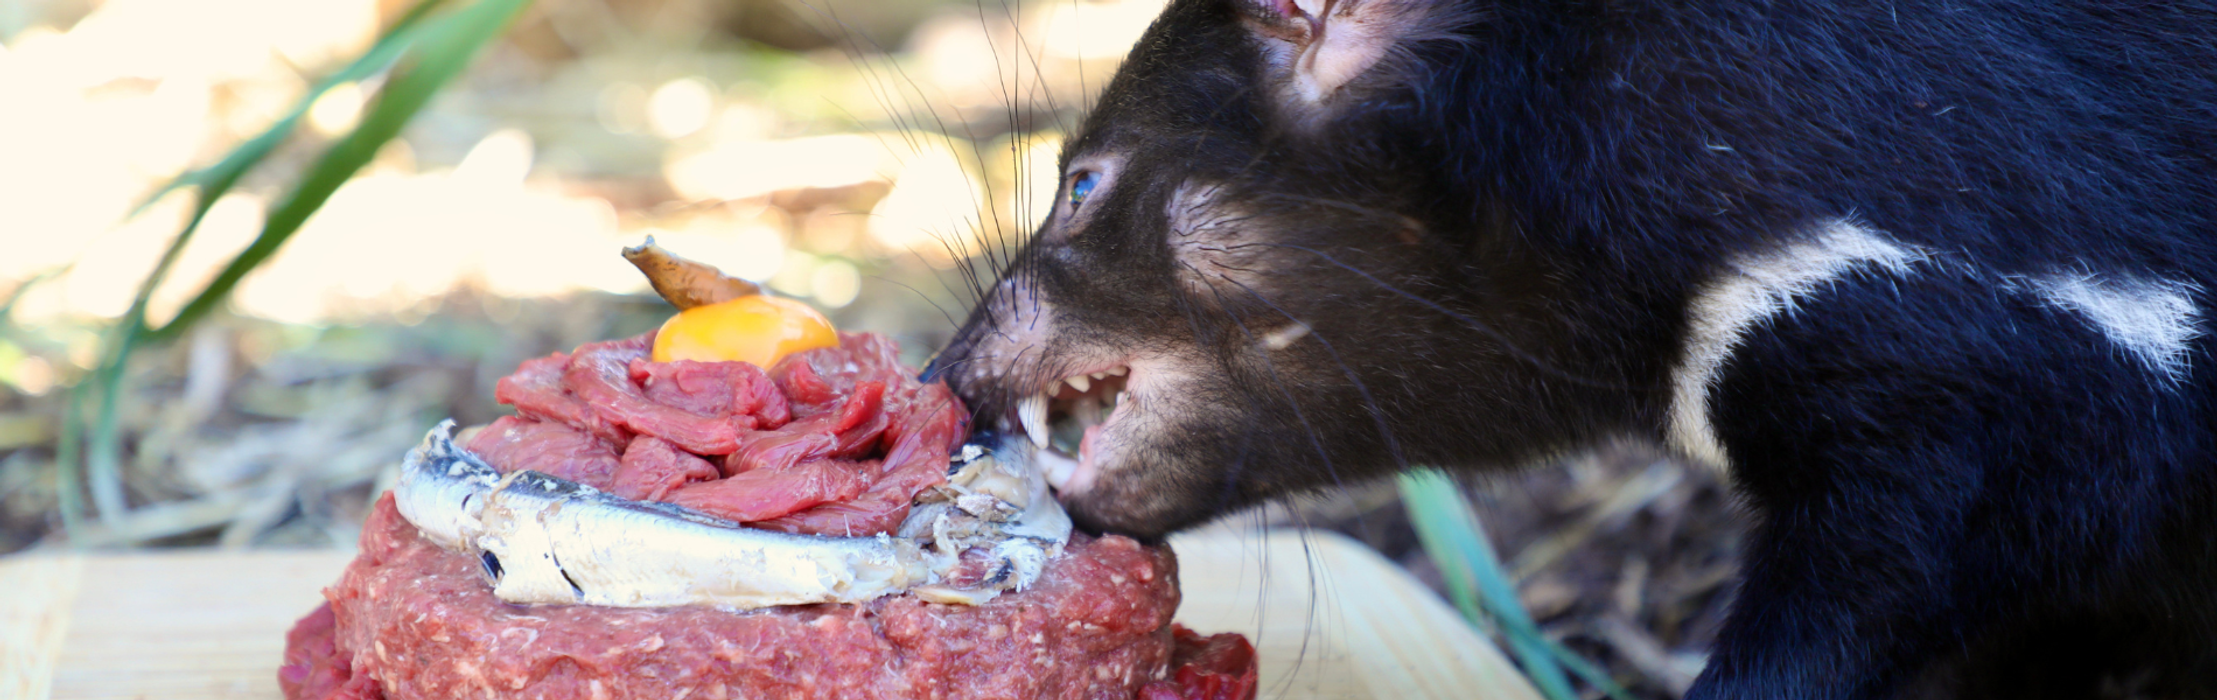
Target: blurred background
(868,156)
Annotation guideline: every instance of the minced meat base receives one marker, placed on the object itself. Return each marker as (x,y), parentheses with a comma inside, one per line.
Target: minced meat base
(830,441)
(410,620)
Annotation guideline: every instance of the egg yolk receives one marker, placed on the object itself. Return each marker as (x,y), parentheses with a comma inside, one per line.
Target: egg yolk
(757,329)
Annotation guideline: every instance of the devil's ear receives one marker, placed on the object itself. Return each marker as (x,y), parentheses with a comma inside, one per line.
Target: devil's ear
(1322,47)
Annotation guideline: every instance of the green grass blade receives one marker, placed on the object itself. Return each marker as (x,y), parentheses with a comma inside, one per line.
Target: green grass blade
(68,446)
(7,306)
(217,179)
(103,458)
(104,453)
(1457,543)
(1586,670)
(432,50)
(445,49)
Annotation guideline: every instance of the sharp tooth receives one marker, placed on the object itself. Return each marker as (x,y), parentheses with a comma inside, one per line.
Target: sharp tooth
(1033,414)
(1097,376)
(1079,383)
(1057,468)
(1118,371)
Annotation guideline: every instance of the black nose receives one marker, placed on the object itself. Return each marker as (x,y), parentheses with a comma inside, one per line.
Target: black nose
(956,352)
(939,364)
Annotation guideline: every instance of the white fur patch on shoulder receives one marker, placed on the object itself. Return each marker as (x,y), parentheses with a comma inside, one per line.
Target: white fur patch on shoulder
(2154,320)
(1752,290)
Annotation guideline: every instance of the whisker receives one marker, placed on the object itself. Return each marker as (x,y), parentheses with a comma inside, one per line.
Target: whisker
(873,80)
(951,322)
(1370,403)
(1508,345)
(936,370)
(1270,367)
(1084,94)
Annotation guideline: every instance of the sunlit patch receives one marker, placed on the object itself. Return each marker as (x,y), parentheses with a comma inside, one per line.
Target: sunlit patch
(743,169)
(141,90)
(1032,173)
(681,107)
(622,108)
(364,250)
(338,110)
(1056,53)
(500,160)
(29,374)
(1285,336)
(936,210)
(1100,28)
(836,283)
(230,226)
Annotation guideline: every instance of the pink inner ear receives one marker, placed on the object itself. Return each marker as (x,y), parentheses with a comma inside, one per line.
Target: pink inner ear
(1284,8)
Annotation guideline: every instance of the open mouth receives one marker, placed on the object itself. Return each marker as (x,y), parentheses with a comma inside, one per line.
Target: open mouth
(1066,420)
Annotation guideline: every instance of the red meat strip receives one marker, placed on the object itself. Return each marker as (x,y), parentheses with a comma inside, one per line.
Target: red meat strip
(763,494)
(847,433)
(833,440)
(917,460)
(713,389)
(814,379)
(872,356)
(600,375)
(652,467)
(536,390)
(515,444)
(802,384)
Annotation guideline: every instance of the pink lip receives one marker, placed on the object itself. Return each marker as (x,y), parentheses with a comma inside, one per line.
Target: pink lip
(1081,479)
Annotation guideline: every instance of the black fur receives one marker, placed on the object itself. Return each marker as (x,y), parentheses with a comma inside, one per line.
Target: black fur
(1960,491)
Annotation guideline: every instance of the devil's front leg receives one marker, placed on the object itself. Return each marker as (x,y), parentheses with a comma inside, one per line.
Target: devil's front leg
(1842,595)
(1848,582)
(1928,471)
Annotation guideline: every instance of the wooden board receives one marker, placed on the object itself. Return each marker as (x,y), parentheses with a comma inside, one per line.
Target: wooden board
(1330,618)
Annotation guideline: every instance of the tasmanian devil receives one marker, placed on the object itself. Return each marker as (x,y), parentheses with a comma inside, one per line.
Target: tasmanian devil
(1926,277)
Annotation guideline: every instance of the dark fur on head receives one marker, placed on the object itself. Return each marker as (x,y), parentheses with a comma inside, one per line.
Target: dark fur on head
(1494,244)
(1329,229)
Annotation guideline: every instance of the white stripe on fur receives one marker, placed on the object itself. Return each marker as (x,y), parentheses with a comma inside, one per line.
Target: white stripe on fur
(1751,291)
(2154,320)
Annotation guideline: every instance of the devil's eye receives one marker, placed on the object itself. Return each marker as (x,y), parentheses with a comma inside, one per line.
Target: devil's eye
(1081,184)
